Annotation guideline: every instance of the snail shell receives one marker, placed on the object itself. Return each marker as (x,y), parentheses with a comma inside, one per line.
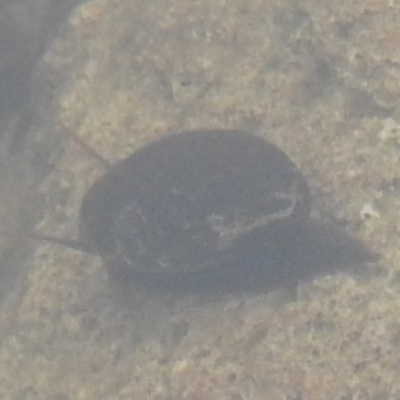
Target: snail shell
(183,203)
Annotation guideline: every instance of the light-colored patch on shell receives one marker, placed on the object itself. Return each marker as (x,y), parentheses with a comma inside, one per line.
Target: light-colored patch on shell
(228,231)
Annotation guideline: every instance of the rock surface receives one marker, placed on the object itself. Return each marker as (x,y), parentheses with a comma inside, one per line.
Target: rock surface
(318,80)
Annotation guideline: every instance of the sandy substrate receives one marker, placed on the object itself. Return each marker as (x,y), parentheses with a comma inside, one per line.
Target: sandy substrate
(319,79)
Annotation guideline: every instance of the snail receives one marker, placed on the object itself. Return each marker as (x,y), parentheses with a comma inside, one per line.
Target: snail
(191,202)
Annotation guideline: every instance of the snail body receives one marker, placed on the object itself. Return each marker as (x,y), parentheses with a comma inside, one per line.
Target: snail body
(185,202)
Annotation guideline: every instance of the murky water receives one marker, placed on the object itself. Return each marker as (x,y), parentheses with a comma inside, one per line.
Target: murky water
(317,79)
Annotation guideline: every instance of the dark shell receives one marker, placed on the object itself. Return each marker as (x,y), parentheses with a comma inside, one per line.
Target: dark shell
(185,202)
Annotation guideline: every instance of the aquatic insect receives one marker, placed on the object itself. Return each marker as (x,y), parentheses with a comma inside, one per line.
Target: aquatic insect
(187,202)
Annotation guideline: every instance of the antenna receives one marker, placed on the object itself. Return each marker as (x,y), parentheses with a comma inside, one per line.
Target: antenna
(92,153)
(73,243)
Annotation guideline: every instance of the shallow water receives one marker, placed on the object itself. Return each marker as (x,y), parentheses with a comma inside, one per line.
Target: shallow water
(317,79)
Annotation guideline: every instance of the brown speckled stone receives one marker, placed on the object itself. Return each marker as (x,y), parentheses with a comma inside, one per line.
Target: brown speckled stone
(124,72)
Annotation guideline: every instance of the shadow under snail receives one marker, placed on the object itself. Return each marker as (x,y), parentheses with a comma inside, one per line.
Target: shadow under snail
(190,202)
